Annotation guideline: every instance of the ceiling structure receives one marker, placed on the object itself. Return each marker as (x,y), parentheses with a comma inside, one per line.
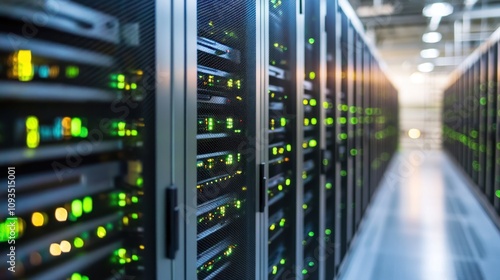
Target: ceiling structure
(418,69)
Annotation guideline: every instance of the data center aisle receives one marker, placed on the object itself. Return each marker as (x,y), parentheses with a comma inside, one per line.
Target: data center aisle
(424,224)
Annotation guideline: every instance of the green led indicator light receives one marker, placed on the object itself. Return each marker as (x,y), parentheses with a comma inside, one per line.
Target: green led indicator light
(133,86)
(76,127)
(121,85)
(282,261)
(311,234)
(313,102)
(120,78)
(314,121)
(139,182)
(311,264)
(78,242)
(135,258)
(482,101)
(84,132)
(345,108)
(497,193)
(135,216)
(354,152)
(311,41)
(122,203)
(304,271)
(288,182)
(76,208)
(76,276)
(312,76)
(122,196)
(343,173)
(304,206)
(313,143)
(342,120)
(353,109)
(283,121)
(85,277)
(87,204)
(229,123)
(288,148)
(135,199)
(72,72)
(343,136)
(328,231)
(354,120)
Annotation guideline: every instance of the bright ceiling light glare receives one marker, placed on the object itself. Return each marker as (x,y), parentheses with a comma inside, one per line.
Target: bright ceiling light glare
(426,67)
(429,53)
(438,10)
(432,37)
(417,78)
(414,133)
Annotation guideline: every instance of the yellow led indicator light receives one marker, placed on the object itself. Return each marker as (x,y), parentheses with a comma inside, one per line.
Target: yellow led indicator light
(65,246)
(32,132)
(312,75)
(22,67)
(288,182)
(121,129)
(275,270)
(101,232)
(66,126)
(55,249)
(38,219)
(61,214)
(229,123)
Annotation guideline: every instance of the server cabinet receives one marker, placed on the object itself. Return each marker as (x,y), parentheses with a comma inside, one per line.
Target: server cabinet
(77,136)
(343,97)
(483,111)
(226,187)
(284,155)
(491,124)
(331,165)
(311,149)
(496,92)
(356,121)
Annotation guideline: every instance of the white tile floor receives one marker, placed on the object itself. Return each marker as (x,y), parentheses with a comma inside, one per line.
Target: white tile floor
(424,224)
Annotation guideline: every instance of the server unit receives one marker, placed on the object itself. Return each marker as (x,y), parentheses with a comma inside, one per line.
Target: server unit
(470,120)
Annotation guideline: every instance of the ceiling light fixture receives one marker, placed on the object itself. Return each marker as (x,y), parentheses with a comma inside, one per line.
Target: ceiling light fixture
(440,9)
(429,53)
(432,37)
(426,67)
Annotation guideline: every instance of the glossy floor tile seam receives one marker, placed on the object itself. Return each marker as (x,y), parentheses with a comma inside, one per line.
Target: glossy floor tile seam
(424,223)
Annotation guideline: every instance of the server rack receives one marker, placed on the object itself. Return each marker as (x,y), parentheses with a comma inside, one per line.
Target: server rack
(284,157)
(311,168)
(331,165)
(226,180)
(77,122)
(470,120)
